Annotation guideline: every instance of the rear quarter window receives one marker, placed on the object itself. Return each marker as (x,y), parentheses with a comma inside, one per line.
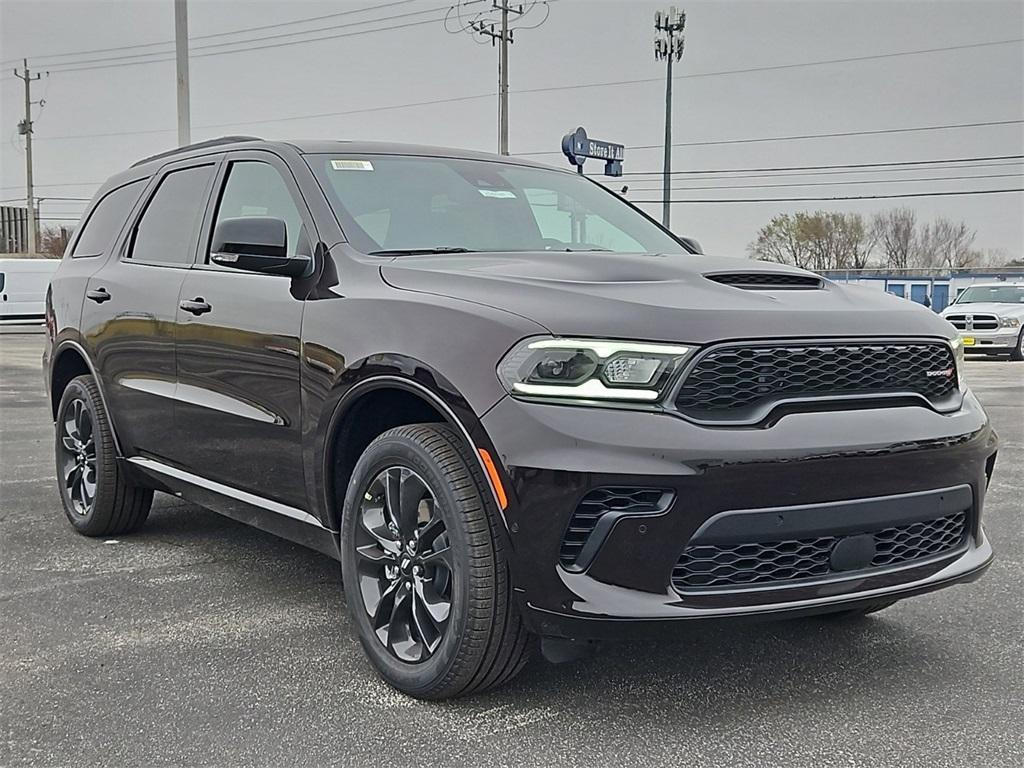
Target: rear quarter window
(106,220)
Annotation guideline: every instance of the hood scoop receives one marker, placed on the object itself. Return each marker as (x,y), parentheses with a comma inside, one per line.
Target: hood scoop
(763,281)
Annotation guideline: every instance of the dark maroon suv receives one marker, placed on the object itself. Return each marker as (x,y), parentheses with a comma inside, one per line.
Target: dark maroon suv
(511,404)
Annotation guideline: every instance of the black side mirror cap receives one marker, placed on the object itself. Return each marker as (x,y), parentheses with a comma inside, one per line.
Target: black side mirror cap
(256,244)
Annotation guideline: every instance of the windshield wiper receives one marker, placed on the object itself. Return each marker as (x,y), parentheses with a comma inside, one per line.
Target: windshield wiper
(418,251)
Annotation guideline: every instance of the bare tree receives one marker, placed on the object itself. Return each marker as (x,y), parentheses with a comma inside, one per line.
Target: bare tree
(779,240)
(945,243)
(53,241)
(895,231)
(818,241)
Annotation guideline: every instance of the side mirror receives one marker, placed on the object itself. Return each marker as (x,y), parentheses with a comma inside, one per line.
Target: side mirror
(692,244)
(256,244)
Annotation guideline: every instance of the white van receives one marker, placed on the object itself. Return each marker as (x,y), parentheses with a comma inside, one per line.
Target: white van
(23,284)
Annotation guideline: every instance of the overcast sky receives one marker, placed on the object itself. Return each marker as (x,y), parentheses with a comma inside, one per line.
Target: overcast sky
(97,121)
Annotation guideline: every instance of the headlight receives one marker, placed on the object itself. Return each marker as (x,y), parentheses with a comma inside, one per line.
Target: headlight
(591,369)
(1010,322)
(958,358)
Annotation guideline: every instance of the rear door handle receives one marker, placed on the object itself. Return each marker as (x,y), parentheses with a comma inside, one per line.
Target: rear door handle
(196,306)
(99,295)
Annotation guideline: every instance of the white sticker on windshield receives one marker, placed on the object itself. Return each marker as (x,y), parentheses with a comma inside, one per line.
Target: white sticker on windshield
(497,193)
(351,165)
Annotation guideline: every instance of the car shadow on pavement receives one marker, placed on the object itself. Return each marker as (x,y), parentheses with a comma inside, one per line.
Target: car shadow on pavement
(699,670)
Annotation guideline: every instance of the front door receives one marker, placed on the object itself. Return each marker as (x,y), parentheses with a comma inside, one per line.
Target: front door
(237,340)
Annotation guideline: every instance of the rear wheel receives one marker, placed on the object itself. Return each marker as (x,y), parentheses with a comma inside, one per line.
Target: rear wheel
(424,568)
(99,500)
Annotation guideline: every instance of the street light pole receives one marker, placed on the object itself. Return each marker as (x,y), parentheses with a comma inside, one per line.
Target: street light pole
(668,46)
(181,60)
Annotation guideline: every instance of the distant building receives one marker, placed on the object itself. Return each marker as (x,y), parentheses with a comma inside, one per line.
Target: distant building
(13,229)
(934,288)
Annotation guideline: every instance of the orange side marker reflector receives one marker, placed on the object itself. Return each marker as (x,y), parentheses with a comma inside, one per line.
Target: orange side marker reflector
(492,472)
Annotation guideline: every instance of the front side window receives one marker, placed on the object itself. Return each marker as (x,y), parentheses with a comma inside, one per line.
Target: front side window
(167,231)
(106,220)
(396,202)
(254,188)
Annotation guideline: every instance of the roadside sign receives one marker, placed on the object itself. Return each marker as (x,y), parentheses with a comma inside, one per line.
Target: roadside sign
(578,147)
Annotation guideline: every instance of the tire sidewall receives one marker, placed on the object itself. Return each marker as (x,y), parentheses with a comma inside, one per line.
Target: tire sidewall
(397,450)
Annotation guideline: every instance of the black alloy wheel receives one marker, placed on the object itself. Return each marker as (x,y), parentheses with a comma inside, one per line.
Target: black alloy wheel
(405,564)
(77,446)
(98,497)
(424,565)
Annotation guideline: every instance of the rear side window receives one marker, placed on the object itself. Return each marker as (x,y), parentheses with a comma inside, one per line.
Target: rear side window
(167,231)
(106,220)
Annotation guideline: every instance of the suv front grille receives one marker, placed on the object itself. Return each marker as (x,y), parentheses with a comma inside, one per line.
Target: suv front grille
(977,323)
(735,382)
(771,562)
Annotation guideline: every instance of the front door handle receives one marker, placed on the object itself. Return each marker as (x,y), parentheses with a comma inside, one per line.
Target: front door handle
(196,306)
(99,295)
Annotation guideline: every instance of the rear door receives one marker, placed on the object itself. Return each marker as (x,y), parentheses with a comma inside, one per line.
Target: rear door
(238,398)
(131,304)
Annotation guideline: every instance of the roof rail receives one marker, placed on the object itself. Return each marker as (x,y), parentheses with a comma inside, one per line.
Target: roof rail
(198,145)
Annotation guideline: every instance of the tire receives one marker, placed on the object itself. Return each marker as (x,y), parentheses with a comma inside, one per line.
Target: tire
(856,613)
(415,643)
(86,458)
(1018,351)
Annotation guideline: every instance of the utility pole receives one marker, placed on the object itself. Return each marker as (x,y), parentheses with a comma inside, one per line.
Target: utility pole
(506,38)
(25,129)
(181,59)
(502,37)
(668,46)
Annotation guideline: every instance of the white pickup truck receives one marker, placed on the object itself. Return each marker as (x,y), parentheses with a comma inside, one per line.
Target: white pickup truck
(990,318)
(23,284)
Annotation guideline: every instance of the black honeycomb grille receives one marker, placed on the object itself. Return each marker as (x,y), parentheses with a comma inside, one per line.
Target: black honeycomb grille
(759,280)
(734,382)
(746,564)
(595,505)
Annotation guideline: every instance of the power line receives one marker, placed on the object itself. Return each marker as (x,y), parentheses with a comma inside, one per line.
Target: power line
(801,174)
(826,167)
(774,67)
(838,183)
(800,137)
(228,33)
(290,118)
(216,49)
(965,193)
(162,57)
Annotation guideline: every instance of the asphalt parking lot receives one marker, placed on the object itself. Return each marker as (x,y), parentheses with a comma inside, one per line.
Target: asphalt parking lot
(203,642)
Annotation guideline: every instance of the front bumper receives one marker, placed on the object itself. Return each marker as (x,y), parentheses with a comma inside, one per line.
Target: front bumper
(554,455)
(1002,339)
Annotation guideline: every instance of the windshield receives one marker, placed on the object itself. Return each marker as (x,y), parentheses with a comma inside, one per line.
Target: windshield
(1000,294)
(395,203)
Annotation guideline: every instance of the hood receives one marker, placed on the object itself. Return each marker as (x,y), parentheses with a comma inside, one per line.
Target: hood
(985,308)
(660,297)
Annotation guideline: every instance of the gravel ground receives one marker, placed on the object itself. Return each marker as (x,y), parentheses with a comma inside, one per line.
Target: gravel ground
(203,642)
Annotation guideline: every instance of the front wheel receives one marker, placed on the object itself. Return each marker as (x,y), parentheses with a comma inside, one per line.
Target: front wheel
(424,568)
(1018,351)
